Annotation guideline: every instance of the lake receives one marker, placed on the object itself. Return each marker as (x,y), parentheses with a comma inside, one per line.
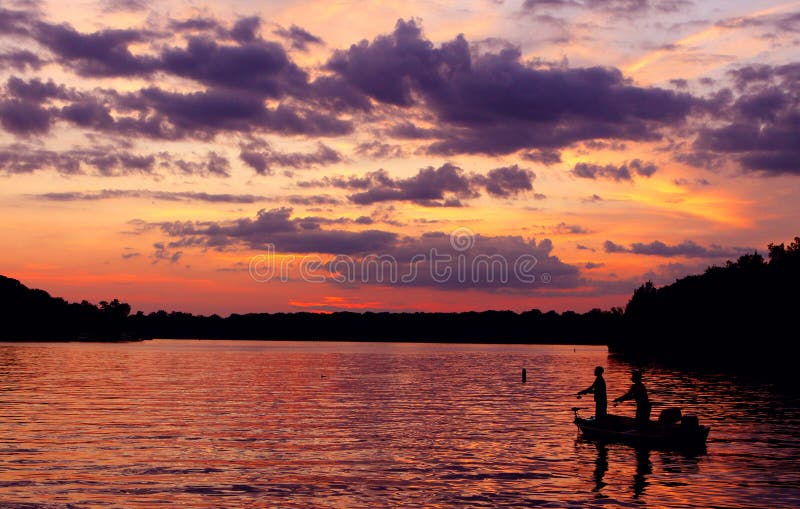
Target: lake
(345,425)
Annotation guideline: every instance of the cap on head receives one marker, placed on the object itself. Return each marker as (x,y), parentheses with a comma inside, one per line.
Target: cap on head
(598,371)
(636,376)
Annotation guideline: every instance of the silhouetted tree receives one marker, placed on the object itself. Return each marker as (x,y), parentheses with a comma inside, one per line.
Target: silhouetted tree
(736,313)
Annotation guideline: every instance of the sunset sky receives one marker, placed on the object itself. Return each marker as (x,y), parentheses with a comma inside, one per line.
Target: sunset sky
(150,150)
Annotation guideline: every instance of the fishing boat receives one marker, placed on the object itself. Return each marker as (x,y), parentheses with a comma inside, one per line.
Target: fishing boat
(671,431)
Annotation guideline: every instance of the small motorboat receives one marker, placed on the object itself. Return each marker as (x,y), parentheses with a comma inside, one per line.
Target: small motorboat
(671,431)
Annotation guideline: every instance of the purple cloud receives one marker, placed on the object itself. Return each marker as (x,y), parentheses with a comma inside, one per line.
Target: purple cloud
(109,194)
(21,60)
(687,248)
(444,186)
(763,124)
(261,157)
(528,108)
(613,172)
(299,38)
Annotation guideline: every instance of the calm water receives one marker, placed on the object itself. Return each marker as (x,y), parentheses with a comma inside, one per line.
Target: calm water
(271,424)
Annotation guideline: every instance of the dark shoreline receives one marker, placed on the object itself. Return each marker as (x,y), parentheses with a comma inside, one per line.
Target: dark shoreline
(740,316)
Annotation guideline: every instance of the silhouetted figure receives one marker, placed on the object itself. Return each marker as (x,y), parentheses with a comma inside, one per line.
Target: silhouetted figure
(598,388)
(600,467)
(638,393)
(644,467)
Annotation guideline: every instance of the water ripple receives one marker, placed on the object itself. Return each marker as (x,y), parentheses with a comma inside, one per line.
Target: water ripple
(260,424)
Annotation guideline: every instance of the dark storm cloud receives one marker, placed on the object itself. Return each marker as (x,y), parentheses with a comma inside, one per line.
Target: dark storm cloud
(762,125)
(529,107)
(687,248)
(299,38)
(262,157)
(624,171)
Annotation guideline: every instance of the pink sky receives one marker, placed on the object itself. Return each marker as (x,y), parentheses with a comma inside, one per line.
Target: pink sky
(150,150)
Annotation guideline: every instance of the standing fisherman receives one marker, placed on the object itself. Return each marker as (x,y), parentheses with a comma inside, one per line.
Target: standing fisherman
(638,393)
(598,388)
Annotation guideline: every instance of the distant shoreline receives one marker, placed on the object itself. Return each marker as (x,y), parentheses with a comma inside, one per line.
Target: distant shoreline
(740,315)
(312,340)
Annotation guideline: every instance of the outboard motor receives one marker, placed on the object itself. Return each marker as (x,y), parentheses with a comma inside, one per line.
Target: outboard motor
(670,416)
(690,422)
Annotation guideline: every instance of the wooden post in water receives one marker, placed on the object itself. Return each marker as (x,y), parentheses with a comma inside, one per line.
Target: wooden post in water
(524,375)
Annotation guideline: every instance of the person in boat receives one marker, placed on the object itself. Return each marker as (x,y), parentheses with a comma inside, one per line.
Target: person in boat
(638,393)
(598,388)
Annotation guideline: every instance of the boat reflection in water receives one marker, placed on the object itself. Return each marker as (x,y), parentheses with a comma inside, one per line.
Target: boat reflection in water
(643,468)
(614,463)
(600,467)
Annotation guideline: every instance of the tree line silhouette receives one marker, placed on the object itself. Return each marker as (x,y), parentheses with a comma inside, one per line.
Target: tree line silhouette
(34,315)
(742,312)
(706,316)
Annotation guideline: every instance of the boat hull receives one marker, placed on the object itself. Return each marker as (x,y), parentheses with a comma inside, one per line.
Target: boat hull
(655,435)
